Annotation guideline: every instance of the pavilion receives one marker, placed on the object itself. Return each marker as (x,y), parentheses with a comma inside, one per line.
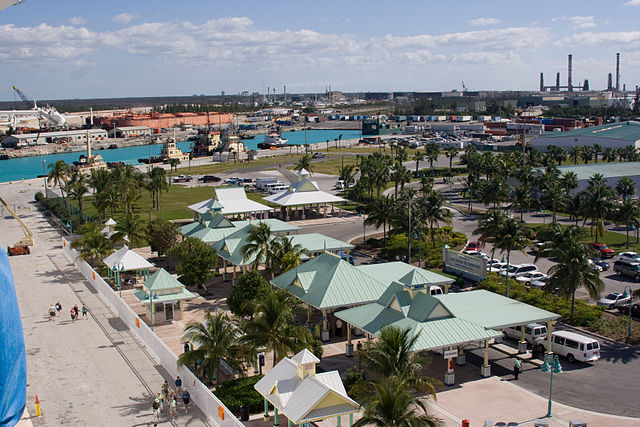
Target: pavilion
(414,278)
(302,192)
(163,296)
(296,391)
(231,201)
(124,259)
(327,282)
(109,228)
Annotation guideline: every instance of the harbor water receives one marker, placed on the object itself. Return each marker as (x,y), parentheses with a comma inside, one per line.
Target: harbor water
(31,167)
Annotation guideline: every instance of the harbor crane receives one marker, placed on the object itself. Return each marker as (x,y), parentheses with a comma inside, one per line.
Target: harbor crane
(6,3)
(21,247)
(24,99)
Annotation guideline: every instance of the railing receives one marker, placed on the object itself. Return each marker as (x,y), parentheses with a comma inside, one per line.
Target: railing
(208,403)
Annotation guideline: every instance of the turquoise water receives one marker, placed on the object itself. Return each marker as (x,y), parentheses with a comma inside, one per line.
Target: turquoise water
(31,167)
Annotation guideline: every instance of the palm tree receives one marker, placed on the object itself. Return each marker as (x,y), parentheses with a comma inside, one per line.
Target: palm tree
(215,339)
(597,148)
(58,174)
(132,227)
(522,199)
(286,255)
(99,180)
(432,151)
(390,404)
(107,200)
(626,214)
(569,181)
(625,188)
(553,195)
(156,184)
(272,326)
(258,246)
(432,211)
(379,214)
(489,224)
(92,244)
(77,188)
(347,173)
(304,163)
(451,154)
(609,154)
(574,271)
(493,191)
(587,153)
(173,165)
(512,235)
(400,175)
(597,204)
(418,157)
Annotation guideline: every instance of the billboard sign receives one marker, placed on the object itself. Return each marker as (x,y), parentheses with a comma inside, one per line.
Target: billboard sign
(465,266)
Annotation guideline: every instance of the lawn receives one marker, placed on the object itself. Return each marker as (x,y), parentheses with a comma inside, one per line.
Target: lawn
(332,166)
(616,241)
(231,166)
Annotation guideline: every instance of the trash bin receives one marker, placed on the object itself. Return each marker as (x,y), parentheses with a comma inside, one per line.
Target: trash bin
(465,423)
(577,423)
(541,423)
(244,413)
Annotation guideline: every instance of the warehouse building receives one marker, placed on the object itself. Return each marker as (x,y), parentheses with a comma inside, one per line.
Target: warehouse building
(62,137)
(130,132)
(611,172)
(613,135)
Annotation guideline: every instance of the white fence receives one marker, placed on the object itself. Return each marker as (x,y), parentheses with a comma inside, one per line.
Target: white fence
(208,403)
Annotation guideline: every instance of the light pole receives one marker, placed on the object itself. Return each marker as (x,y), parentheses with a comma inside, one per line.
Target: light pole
(364,229)
(44,176)
(118,267)
(628,291)
(551,364)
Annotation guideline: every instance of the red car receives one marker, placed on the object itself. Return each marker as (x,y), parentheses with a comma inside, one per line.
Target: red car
(473,246)
(603,250)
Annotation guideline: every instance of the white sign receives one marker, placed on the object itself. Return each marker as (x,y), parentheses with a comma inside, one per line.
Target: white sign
(467,266)
(450,354)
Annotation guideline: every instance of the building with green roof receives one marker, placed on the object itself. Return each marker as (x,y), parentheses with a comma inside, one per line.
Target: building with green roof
(614,135)
(414,278)
(163,296)
(611,172)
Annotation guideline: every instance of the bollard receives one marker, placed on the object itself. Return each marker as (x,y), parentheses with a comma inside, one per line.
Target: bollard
(466,423)
(38,411)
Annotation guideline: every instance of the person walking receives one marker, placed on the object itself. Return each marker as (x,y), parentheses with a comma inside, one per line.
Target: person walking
(77,310)
(165,390)
(186,347)
(161,400)
(172,407)
(339,327)
(58,307)
(73,315)
(52,312)
(156,410)
(186,398)
(84,311)
(517,367)
(178,383)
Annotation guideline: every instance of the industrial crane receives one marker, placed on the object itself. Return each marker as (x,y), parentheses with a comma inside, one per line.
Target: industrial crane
(21,247)
(24,99)
(6,3)
(50,114)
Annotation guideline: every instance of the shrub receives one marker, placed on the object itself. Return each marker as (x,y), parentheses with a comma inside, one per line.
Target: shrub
(240,392)
(251,286)
(352,377)
(39,197)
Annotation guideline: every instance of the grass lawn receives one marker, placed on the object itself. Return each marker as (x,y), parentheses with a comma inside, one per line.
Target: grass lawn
(231,166)
(616,241)
(332,166)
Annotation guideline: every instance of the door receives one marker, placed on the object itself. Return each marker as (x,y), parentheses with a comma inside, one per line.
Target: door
(168,311)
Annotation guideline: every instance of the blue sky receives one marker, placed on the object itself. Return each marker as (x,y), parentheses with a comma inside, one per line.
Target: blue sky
(86,49)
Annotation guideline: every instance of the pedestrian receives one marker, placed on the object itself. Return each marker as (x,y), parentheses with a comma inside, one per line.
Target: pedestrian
(186,347)
(84,311)
(339,327)
(75,308)
(161,401)
(52,312)
(172,407)
(73,315)
(186,397)
(165,390)
(517,367)
(178,383)
(58,307)
(156,411)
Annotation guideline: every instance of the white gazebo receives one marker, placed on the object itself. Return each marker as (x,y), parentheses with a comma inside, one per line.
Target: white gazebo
(231,201)
(109,228)
(302,192)
(124,259)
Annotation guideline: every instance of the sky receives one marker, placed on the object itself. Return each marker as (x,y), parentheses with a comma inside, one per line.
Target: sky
(93,49)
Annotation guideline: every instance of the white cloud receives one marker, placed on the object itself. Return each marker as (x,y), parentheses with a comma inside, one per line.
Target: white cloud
(633,3)
(628,39)
(77,20)
(577,21)
(484,21)
(124,18)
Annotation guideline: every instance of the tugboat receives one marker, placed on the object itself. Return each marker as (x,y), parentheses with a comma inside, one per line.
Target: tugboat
(273,140)
(207,141)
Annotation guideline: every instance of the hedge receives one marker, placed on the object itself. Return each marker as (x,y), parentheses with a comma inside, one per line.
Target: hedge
(240,392)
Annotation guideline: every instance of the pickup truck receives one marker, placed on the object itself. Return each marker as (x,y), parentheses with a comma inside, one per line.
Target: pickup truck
(182,178)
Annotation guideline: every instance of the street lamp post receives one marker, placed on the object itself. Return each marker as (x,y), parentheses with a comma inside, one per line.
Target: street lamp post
(551,364)
(628,291)
(44,175)
(118,267)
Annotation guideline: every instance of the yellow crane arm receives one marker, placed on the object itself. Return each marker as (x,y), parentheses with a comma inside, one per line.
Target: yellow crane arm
(27,240)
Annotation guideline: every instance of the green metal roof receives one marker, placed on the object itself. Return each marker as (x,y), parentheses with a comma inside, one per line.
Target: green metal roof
(608,170)
(627,131)
(316,242)
(426,316)
(160,280)
(143,296)
(328,281)
(404,273)
(190,228)
(493,311)
(216,220)
(276,225)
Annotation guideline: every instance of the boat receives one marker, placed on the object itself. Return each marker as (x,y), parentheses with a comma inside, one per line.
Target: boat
(153,159)
(112,147)
(273,140)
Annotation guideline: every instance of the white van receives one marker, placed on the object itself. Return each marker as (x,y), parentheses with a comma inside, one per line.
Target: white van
(533,333)
(575,347)
(518,270)
(278,188)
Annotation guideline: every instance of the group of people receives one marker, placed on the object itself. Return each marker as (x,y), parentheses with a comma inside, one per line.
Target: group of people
(169,397)
(55,309)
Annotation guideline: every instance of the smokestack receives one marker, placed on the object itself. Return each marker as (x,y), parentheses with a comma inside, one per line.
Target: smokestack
(91,110)
(617,72)
(586,85)
(557,81)
(89,147)
(610,82)
(569,71)
(285,94)
(541,82)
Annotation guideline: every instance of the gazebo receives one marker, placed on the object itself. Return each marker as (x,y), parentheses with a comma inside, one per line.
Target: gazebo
(124,259)
(231,201)
(414,278)
(303,192)
(163,296)
(296,391)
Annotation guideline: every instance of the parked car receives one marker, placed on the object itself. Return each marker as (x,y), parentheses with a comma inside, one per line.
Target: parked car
(518,270)
(539,283)
(604,266)
(182,178)
(476,253)
(473,246)
(530,276)
(635,309)
(629,256)
(603,250)
(615,299)
(496,267)
(627,268)
(209,178)
(318,155)
(533,333)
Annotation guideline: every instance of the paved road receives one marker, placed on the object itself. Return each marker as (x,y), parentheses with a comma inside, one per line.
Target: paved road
(93,372)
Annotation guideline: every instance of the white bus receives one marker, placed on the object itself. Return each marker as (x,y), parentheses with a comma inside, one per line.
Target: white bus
(575,347)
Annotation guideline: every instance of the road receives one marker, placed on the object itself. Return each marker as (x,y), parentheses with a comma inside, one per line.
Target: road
(91,372)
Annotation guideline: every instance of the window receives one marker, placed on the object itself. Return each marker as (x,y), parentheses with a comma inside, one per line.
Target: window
(558,340)
(593,346)
(581,347)
(571,344)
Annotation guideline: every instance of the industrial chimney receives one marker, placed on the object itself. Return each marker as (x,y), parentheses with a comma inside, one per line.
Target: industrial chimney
(617,72)
(541,82)
(610,82)
(557,81)
(586,85)
(570,67)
